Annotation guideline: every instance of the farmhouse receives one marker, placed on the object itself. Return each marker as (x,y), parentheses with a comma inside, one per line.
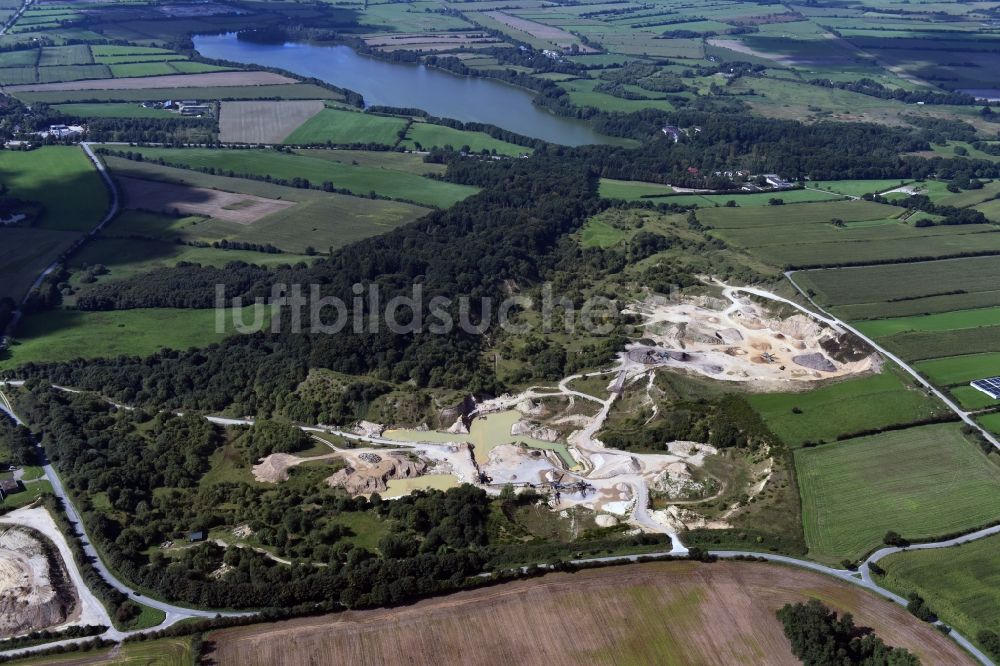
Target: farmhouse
(990,386)
(9,487)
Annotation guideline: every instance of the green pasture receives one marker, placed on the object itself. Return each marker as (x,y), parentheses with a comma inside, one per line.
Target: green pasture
(921,482)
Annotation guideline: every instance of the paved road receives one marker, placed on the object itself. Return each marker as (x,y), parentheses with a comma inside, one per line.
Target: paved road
(13,19)
(962,414)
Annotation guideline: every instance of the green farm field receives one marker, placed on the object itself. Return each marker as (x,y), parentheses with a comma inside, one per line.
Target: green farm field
(581,93)
(412,163)
(598,233)
(752,199)
(970,398)
(874,292)
(922,345)
(62,179)
(127,257)
(631,190)
(857,188)
(844,408)
(990,421)
(63,335)
(359,179)
(961,584)
(960,369)
(853,492)
(945,321)
(278,91)
(430,136)
(795,214)
(320,220)
(854,249)
(25,253)
(348,127)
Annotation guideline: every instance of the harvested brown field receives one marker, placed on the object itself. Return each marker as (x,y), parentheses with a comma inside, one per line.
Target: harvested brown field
(658,613)
(264,122)
(410,39)
(549,33)
(209,79)
(157,196)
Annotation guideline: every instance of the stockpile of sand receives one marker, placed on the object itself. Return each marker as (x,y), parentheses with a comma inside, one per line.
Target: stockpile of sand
(366,478)
(33,590)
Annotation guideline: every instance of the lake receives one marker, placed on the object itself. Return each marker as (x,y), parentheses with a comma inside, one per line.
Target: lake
(991,94)
(440,93)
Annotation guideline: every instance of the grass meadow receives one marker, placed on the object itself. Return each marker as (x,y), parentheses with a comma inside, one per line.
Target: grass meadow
(360,180)
(921,482)
(347,128)
(844,408)
(429,136)
(62,179)
(64,335)
(631,190)
(960,369)
(961,584)
(320,220)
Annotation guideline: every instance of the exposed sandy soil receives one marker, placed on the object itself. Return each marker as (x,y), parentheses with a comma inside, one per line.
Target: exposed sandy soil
(207,80)
(739,340)
(264,122)
(33,590)
(87,609)
(740,47)
(371,472)
(166,197)
(658,613)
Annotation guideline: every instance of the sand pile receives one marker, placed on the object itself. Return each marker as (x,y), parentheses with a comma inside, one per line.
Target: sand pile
(365,479)
(33,590)
(815,361)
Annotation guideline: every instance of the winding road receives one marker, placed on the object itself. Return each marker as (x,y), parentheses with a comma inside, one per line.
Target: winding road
(584,440)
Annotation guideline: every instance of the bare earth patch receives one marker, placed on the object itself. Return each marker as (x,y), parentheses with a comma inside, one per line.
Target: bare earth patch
(659,613)
(207,80)
(264,122)
(540,30)
(34,589)
(167,197)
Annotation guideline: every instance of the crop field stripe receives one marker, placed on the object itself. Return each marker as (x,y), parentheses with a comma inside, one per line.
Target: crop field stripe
(961,583)
(850,406)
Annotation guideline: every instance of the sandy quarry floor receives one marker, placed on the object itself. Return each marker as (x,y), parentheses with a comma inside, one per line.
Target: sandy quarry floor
(730,338)
(88,610)
(31,596)
(736,339)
